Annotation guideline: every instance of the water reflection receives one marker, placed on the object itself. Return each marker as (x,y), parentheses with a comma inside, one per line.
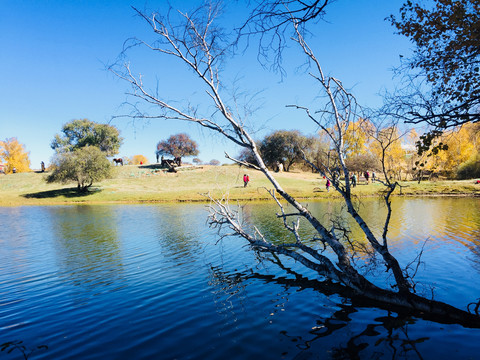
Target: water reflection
(86,245)
(338,334)
(153,282)
(178,232)
(414,221)
(388,338)
(228,290)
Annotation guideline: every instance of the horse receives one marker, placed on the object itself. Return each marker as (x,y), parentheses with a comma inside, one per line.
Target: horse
(118,161)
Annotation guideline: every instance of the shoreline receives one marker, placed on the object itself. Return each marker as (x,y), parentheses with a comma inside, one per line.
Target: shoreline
(335,197)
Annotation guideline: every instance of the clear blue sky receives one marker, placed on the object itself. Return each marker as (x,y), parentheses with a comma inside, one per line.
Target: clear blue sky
(53,56)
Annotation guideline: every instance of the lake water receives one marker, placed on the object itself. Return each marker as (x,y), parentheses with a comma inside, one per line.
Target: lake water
(154,282)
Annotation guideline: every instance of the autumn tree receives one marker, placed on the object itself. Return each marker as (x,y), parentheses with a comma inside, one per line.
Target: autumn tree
(387,147)
(470,168)
(178,146)
(80,133)
(442,87)
(461,145)
(138,159)
(84,166)
(357,137)
(326,248)
(14,155)
(358,140)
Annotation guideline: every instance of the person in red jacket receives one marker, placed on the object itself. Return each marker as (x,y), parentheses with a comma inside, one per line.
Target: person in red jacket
(246,179)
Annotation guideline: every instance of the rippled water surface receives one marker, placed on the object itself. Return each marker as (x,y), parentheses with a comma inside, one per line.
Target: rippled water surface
(154,282)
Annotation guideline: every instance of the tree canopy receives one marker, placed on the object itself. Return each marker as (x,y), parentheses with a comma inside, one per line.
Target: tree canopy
(83,165)
(80,133)
(214,162)
(14,155)
(178,145)
(446,36)
(284,147)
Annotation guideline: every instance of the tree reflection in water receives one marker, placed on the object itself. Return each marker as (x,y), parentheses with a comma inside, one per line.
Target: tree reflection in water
(229,289)
(177,233)
(387,337)
(87,247)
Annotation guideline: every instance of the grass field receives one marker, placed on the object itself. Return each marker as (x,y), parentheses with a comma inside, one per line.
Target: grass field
(138,184)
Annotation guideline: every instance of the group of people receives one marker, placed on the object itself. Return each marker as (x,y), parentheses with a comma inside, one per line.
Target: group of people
(366,174)
(353,179)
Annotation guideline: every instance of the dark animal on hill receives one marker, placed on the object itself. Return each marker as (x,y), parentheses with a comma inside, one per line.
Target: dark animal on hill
(118,161)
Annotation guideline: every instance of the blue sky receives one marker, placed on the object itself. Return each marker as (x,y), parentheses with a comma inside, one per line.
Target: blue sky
(54,52)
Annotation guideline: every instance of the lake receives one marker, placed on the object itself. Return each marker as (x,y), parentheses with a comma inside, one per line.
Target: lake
(155,282)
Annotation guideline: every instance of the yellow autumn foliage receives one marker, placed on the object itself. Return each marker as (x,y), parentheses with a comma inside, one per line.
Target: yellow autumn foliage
(356,137)
(463,143)
(138,159)
(14,155)
(388,144)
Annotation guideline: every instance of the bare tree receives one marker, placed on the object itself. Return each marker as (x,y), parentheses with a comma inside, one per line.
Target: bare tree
(196,42)
(272,19)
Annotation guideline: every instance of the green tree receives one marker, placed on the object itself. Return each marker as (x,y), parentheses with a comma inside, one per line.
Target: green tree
(80,133)
(284,147)
(178,146)
(83,165)
(317,152)
(446,35)
(14,154)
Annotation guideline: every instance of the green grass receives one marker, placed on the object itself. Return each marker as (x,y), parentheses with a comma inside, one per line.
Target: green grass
(137,184)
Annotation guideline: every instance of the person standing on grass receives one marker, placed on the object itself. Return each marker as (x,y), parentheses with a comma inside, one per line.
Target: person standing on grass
(246,179)
(328,185)
(373,176)
(354,180)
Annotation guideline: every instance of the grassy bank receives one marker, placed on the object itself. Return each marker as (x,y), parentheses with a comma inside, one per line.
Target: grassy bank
(137,184)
